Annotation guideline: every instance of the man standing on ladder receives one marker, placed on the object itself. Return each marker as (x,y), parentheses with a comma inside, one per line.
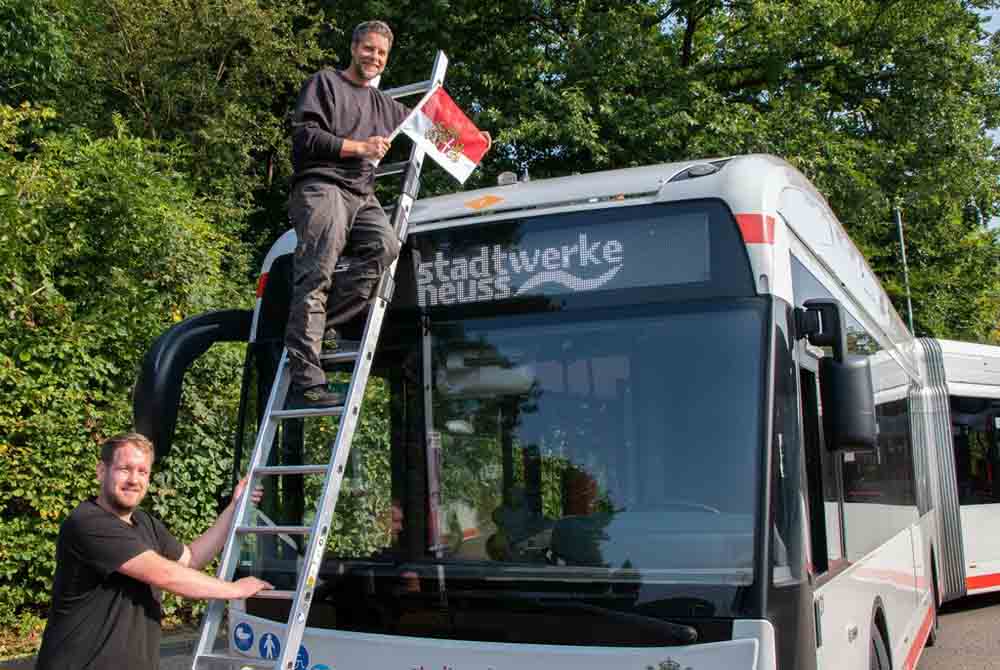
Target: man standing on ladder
(340,131)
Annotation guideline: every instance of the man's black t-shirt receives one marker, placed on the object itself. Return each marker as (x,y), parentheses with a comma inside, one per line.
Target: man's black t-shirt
(101,619)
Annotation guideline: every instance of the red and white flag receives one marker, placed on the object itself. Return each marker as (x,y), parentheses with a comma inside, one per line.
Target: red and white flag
(445,133)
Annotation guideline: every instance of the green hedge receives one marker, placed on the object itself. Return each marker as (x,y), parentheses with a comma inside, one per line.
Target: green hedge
(103,245)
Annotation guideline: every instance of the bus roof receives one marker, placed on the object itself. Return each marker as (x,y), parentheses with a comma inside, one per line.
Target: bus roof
(754,184)
(545,193)
(971,369)
(759,175)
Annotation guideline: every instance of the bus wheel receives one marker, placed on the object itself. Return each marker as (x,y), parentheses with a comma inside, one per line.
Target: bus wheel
(878,657)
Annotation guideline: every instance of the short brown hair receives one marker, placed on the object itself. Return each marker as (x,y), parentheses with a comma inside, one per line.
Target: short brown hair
(113,444)
(377,27)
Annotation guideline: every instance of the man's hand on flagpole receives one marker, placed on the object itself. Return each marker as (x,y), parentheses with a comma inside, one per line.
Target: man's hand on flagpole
(489,140)
(374,148)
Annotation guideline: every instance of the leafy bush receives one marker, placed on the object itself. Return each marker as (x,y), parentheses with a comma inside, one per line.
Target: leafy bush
(103,245)
(35,43)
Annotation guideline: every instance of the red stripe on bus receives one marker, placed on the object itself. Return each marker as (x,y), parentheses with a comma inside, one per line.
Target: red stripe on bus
(756,228)
(261,285)
(982,581)
(895,577)
(920,641)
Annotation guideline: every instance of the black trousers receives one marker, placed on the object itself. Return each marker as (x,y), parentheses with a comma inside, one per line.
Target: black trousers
(331,222)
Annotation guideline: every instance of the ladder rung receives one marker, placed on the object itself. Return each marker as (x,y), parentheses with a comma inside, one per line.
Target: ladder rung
(274,530)
(291,470)
(305,413)
(390,169)
(213,661)
(275,594)
(409,89)
(339,357)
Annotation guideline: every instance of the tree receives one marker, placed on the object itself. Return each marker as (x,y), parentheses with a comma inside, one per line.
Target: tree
(217,75)
(35,43)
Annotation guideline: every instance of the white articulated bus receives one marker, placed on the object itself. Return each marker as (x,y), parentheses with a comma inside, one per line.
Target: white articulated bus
(662,417)
(964,394)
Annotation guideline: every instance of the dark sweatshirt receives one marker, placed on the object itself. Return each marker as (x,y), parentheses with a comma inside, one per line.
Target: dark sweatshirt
(329,110)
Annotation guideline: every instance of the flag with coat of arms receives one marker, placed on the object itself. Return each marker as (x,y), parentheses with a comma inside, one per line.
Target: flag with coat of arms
(445,133)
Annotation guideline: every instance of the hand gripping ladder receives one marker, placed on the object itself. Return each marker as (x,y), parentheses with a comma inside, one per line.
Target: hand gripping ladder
(301,597)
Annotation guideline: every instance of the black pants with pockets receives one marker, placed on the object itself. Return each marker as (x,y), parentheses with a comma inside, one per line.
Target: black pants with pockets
(331,222)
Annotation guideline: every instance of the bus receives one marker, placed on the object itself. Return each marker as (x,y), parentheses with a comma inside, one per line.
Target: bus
(964,384)
(660,417)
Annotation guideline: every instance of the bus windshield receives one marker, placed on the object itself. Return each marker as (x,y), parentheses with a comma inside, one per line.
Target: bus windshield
(617,444)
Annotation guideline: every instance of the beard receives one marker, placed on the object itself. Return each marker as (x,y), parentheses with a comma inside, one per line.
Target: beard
(359,69)
(121,505)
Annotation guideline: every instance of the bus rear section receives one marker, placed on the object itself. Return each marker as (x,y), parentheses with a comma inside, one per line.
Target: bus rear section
(967,390)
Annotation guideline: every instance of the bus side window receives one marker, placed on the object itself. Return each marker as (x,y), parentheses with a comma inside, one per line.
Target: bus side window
(823,467)
(825,512)
(976,430)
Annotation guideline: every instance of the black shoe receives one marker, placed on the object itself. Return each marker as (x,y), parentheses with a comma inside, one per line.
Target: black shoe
(334,344)
(315,397)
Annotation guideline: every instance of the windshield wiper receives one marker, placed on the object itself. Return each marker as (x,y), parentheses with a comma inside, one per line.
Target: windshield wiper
(676,633)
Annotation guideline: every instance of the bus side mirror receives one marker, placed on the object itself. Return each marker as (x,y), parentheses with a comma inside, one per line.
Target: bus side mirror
(848,404)
(845,382)
(821,322)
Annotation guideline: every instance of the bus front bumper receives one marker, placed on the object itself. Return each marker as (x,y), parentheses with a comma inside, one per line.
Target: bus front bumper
(255,637)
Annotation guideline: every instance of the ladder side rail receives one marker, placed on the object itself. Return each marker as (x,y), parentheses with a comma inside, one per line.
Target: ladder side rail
(401,212)
(227,561)
(309,572)
(299,613)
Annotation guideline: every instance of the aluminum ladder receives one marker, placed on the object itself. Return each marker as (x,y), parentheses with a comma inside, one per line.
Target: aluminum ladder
(301,597)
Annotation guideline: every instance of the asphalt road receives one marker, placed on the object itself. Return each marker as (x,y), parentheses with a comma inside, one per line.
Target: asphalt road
(175,652)
(969,638)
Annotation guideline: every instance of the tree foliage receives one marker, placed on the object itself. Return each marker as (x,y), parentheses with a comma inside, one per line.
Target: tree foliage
(36,47)
(880,102)
(217,75)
